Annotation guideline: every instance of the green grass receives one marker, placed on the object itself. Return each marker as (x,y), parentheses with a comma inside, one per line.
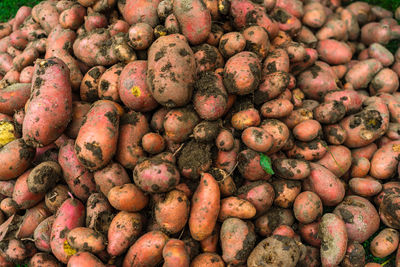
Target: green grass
(8,8)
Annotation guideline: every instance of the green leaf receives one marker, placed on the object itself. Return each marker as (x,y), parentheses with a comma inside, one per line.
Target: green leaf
(265,163)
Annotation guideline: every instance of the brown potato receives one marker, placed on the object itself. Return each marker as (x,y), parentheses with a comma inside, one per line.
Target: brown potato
(127,197)
(286,192)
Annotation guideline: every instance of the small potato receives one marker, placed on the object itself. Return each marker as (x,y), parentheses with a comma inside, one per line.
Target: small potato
(277,60)
(365,187)
(210,244)
(225,140)
(276,108)
(314,15)
(172,212)
(242,73)
(133,89)
(89,85)
(258,139)
(9,207)
(208,58)
(79,110)
(381,53)
(334,52)
(385,81)
(297,116)
(14,97)
(44,176)
(207,259)
(325,184)
(261,194)
(22,196)
(360,217)
(14,250)
(98,213)
(16,157)
(110,176)
(307,207)
(274,217)
(249,166)
(124,229)
(385,243)
(337,160)
(360,167)
(86,239)
(175,254)
(271,86)
(314,150)
(43,259)
(127,197)
(205,207)
(237,241)
(41,235)
(32,218)
(334,134)
(309,233)
(279,249)
(245,118)
(294,169)
(332,231)
(286,192)
(147,250)
(141,36)
(279,131)
(308,130)
(355,255)
(156,176)
(226,160)
(210,97)
(388,188)
(84,259)
(236,208)
(108,83)
(329,112)
(231,43)
(257,40)
(179,124)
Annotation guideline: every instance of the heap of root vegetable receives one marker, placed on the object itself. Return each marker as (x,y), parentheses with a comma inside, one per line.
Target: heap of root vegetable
(199,133)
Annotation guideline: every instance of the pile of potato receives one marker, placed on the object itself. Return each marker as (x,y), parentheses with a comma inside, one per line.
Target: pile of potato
(199,133)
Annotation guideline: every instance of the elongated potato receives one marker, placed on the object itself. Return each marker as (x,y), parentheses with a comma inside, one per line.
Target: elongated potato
(45,120)
(86,239)
(236,208)
(175,253)
(127,197)
(95,151)
(295,169)
(385,243)
(22,196)
(333,234)
(205,207)
(15,157)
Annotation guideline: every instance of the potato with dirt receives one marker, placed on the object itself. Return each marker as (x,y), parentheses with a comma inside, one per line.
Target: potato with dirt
(50,81)
(171,70)
(280,250)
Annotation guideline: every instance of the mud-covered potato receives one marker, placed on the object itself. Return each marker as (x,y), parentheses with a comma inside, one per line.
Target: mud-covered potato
(307,207)
(280,250)
(86,239)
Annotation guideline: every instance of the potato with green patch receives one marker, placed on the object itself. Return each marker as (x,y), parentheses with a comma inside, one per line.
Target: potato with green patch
(97,139)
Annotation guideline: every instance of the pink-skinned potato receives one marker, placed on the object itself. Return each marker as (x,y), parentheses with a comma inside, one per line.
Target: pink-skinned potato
(21,194)
(84,259)
(45,120)
(15,157)
(133,89)
(42,233)
(144,11)
(171,70)
(97,139)
(193,15)
(333,234)
(70,215)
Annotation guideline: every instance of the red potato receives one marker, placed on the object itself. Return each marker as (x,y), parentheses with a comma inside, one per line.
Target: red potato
(309,233)
(276,60)
(231,43)
(307,207)
(26,58)
(286,192)
(225,140)
(286,21)
(82,238)
(334,238)
(205,207)
(96,151)
(144,11)
(362,73)
(127,197)
(350,19)
(279,131)
(226,160)
(18,40)
(46,14)
(194,159)
(314,150)
(208,58)
(245,118)
(272,85)
(366,151)
(124,229)
(242,73)
(26,75)
(41,235)
(276,108)
(237,240)
(334,52)
(314,15)
(141,36)
(179,124)
(261,194)
(32,218)
(385,81)
(119,26)
(79,110)
(384,161)
(84,259)
(337,160)
(294,169)
(249,166)
(98,213)
(207,259)
(5,63)
(89,85)
(385,243)
(70,215)
(210,97)
(175,253)
(147,250)
(43,258)
(274,217)
(132,87)
(234,207)
(307,130)
(381,53)
(333,28)
(325,184)
(14,97)
(258,139)
(108,83)
(51,83)
(133,127)
(174,87)
(17,155)
(72,17)
(349,98)
(22,196)
(360,167)
(257,40)
(246,13)
(365,187)
(95,20)
(375,33)
(111,175)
